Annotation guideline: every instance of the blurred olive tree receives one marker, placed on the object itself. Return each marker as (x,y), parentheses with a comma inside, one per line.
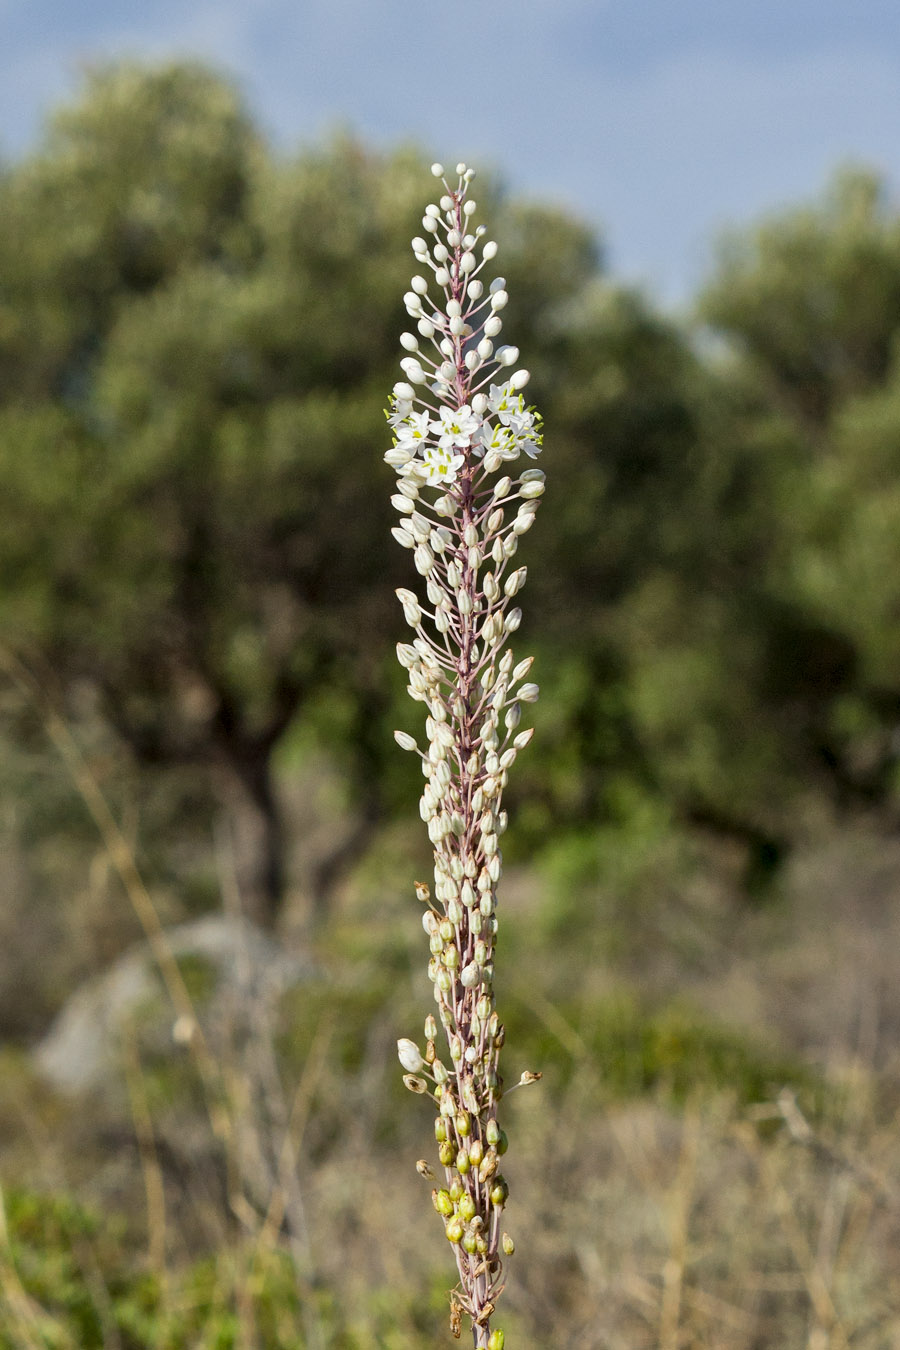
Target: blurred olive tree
(809,303)
(196,340)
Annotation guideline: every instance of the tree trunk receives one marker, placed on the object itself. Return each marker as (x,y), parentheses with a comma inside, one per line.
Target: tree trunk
(255,836)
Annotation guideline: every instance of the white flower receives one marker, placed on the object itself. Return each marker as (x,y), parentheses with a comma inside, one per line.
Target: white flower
(497,437)
(402,408)
(456,427)
(440,464)
(521,424)
(413,432)
(505,401)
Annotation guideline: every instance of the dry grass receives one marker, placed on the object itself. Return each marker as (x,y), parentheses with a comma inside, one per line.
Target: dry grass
(276,1147)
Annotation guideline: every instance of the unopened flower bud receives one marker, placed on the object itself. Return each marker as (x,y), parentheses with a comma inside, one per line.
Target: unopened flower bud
(515,581)
(423,558)
(466,1207)
(488,1165)
(409,1056)
(405,538)
(442,1202)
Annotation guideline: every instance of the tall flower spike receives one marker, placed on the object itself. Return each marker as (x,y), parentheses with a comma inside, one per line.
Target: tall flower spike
(461,427)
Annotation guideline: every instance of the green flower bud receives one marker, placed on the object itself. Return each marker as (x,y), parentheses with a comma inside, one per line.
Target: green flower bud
(462,1162)
(446,1153)
(470,1243)
(440,1130)
(488,1165)
(508,1245)
(463,1124)
(454,1230)
(457,1190)
(466,1208)
(502,1143)
(476,1152)
(442,1202)
(493,1132)
(497,1340)
(499,1192)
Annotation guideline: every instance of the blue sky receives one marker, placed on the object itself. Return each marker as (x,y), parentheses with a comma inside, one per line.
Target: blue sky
(660,121)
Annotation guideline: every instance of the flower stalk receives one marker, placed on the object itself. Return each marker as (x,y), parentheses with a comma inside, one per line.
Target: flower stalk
(461,427)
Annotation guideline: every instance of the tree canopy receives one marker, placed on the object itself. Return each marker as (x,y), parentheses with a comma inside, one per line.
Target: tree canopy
(197,336)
